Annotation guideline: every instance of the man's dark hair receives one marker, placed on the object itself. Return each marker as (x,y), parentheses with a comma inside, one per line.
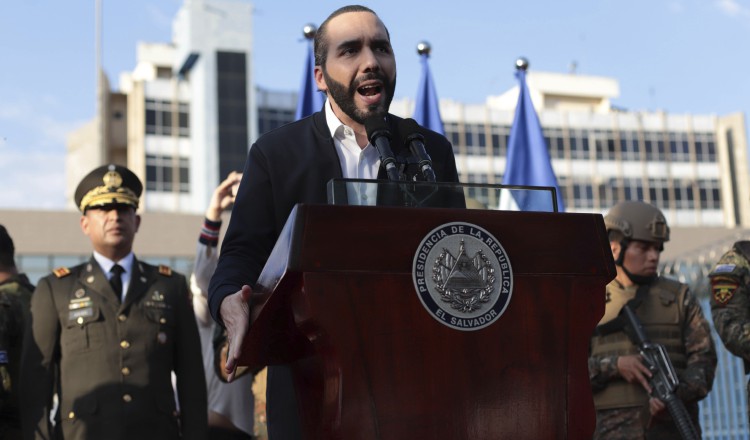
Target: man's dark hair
(7,250)
(320,43)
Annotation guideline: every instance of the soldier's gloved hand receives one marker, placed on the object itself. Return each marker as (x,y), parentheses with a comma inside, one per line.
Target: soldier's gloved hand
(631,369)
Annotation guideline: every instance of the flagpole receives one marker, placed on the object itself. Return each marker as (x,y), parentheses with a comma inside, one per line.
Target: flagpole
(310,100)
(426,106)
(528,161)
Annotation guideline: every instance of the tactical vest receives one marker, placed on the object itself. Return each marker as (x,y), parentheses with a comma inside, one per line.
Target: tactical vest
(662,314)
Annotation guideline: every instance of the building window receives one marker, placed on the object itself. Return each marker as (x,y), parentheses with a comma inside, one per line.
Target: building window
(633,189)
(553,138)
(164,175)
(164,72)
(579,144)
(232,106)
(658,192)
(684,194)
(629,146)
(705,147)
(679,149)
(273,118)
(452,133)
(159,118)
(583,194)
(499,138)
(710,197)
(605,145)
(475,140)
(608,193)
(654,146)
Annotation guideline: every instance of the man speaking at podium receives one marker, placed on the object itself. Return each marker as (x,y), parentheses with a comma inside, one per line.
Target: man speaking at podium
(356,68)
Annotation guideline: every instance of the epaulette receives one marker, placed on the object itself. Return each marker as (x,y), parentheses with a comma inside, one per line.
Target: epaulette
(165,270)
(61,272)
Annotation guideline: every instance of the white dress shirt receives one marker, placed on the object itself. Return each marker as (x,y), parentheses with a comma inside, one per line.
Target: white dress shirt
(126,263)
(356,162)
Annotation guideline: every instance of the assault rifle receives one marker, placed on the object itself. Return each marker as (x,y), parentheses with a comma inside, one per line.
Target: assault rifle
(664,379)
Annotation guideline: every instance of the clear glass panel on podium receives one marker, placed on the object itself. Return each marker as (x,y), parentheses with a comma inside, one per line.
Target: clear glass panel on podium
(442,195)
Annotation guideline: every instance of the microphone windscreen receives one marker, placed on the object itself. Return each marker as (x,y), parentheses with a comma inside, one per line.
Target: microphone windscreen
(375,126)
(408,127)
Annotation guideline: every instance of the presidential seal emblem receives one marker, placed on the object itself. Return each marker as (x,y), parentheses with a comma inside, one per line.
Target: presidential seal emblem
(463,276)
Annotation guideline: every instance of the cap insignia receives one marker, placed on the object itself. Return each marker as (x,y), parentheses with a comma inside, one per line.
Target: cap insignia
(112,179)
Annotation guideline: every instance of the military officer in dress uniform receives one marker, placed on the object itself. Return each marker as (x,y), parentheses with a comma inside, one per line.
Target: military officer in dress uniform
(670,315)
(106,335)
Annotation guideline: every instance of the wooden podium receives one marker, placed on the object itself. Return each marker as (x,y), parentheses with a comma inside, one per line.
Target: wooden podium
(338,302)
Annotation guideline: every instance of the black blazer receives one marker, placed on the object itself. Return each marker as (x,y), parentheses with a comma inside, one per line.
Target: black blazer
(286,166)
(290,165)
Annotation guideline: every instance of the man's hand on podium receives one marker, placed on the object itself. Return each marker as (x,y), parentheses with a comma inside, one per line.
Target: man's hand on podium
(235,312)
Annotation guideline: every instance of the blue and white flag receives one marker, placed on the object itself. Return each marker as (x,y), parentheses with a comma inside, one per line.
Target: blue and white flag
(310,100)
(427,107)
(528,161)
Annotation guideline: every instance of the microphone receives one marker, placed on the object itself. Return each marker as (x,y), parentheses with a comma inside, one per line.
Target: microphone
(416,145)
(380,137)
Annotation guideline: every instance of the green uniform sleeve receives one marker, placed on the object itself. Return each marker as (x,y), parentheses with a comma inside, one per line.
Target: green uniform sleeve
(730,303)
(39,362)
(602,369)
(698,377)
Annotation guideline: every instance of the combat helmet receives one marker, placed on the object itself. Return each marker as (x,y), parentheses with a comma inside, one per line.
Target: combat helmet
(638,221)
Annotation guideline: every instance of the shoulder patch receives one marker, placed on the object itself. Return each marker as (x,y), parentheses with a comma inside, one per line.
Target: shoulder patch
(724,268)
(61,272)
(723,288)
(165,270)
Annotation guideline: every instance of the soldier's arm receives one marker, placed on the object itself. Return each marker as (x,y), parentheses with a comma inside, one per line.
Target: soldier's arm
(602,369)
(38,362)
(730,304)
(191,380)
(698,377)
(733,323)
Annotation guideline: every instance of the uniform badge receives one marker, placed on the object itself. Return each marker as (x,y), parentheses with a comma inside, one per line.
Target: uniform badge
(157,296)
(61,272)
(112,179)
(723,289)
(80,293)
(724,268)
(462,276)
(165,270)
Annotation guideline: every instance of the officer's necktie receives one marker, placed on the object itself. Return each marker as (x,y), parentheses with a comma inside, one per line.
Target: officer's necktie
(116,280)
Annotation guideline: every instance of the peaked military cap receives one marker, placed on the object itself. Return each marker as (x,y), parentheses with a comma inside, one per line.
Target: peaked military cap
(108,185)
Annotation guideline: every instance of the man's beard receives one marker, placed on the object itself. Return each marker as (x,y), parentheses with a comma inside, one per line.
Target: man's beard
(344,96)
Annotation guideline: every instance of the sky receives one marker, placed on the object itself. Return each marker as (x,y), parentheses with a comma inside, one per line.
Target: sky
(680,56)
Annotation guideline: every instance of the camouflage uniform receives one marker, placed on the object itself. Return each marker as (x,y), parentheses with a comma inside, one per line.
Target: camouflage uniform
(15,296)
(730,301)
(696,379)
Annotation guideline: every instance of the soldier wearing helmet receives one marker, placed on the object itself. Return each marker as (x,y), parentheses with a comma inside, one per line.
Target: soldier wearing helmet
(671,316)
(730,301)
